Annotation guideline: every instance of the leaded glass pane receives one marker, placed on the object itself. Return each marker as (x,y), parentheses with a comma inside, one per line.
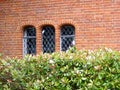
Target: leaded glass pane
(67,30)
(48,39)
(31,45)
(29,40)
(30,31)
(67,37)
(66,43)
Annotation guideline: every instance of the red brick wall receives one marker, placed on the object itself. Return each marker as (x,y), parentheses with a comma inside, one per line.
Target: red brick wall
(97,22)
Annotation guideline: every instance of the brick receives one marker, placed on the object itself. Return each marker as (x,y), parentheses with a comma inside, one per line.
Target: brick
(96,22)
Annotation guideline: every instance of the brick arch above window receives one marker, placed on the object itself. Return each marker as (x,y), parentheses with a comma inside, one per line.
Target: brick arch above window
(67,24)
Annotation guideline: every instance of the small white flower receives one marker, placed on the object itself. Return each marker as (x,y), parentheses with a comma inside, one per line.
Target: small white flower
(50,75)
(47,78)
(97,67)
(38,81)
(90,84)
(88,57)
(108,49)
(101,50)
(51,61)
(71,57)
(84,78)
(90,51)
(77,71)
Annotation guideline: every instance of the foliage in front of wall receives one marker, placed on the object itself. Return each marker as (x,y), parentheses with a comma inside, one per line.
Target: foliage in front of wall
(71,70)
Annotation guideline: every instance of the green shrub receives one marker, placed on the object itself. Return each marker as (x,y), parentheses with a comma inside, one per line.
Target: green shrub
(71,70)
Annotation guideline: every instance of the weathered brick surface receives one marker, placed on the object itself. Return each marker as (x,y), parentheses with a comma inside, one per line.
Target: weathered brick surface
(97,22)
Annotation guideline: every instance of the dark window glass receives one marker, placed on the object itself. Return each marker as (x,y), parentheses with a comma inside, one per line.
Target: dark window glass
(29,40)
(48,39)
(67,37)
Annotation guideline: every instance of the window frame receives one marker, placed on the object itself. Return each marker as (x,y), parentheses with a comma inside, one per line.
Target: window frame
(53,28)
(64,36)
(25,38)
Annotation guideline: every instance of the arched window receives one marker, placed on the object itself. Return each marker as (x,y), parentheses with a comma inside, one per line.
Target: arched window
(48,39)
(29,40)
(67,38)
